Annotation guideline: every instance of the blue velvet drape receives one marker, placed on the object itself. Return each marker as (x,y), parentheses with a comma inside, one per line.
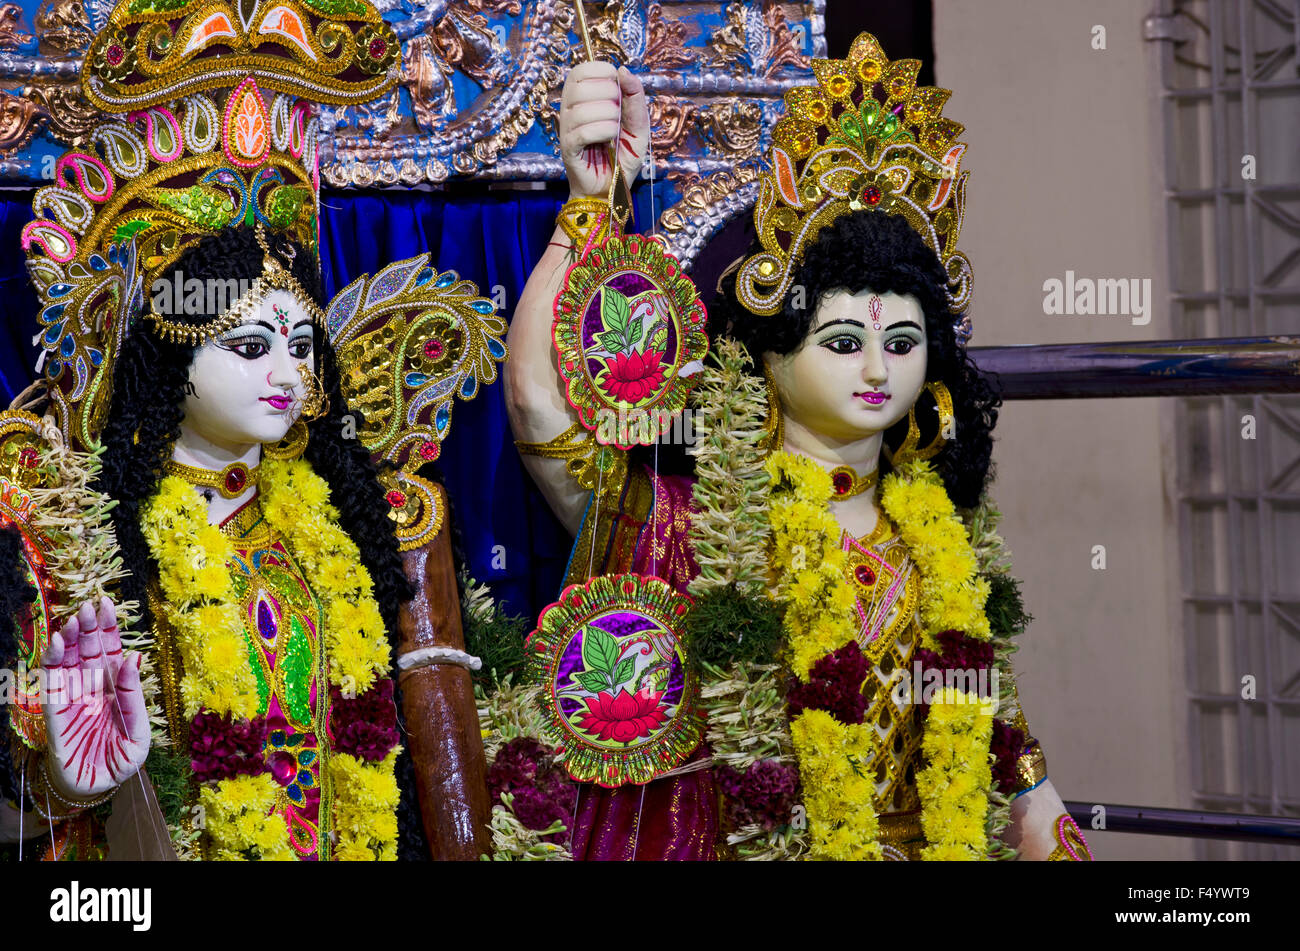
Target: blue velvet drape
(510,539)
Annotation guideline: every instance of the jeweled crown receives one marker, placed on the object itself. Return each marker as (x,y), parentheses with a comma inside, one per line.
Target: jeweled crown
(212,123)
(865,137)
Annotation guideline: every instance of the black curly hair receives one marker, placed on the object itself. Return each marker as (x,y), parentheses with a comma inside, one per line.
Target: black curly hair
(882,252)
(144,422)
(16,596)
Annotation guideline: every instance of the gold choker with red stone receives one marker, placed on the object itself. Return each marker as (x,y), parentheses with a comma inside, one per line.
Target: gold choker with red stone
(845,483)
(231,481)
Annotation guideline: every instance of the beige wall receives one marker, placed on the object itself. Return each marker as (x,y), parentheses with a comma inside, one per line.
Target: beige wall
(1065,153)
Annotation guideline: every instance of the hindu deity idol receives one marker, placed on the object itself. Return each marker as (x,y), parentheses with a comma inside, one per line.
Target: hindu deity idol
(224,558)
(833,680)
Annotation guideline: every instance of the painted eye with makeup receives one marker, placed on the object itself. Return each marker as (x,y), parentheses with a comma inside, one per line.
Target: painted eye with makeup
(845,344)
(904,341)
(249,342)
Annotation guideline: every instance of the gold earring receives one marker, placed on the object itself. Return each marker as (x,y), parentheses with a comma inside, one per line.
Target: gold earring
(908,451)
(292,446)
(315,403)
(774,427)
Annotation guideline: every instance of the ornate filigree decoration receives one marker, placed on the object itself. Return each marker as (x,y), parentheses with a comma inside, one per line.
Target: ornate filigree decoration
(472,96)
(410,341)
(71,118)
(64,25)
(608,29)
(672,119)
(665,46)
(733,127)
(728,46)
(781,48)
(699,193)
(153,51)
(468,44)
(11,35)
(865,136)
(706,205)
(20,120)
(481,78)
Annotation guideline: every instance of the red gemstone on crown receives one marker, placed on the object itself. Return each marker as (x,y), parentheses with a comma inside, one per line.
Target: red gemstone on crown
(864,575)
(395,498)
(114,54)
(428,450)
(28,458)
(377,48)
(841,482)
(433,349)
(871,195)
(236,479)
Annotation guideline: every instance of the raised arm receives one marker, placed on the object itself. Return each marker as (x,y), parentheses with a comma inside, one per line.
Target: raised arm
(599,105)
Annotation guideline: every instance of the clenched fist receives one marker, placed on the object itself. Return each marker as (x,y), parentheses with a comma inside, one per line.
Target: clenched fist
(600,105)
(95,716)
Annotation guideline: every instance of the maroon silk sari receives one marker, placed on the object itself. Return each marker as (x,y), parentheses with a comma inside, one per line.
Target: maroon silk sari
(643,530)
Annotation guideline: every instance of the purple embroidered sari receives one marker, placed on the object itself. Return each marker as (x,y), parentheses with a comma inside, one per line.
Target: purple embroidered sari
(643,530)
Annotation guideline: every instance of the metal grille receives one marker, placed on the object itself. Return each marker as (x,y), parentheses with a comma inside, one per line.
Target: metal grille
(1231,89)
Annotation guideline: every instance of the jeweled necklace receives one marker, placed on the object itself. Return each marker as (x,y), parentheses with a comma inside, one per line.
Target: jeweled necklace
(230,481)
(845,483)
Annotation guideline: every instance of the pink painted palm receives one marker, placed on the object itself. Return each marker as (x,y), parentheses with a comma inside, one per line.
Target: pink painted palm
(95,714)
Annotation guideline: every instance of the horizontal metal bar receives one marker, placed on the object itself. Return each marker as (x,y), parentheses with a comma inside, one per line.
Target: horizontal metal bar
(1190,823)
(1231,89)
(1147,368)
(1237,293)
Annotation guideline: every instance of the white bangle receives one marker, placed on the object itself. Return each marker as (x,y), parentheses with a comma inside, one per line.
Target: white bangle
(427,656)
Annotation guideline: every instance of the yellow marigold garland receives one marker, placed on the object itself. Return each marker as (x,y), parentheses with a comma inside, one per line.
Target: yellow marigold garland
(808,561)
(199,602)
(956,781)
(953,593)
(365,808)
(955,784)
(194,575)
(820,618)
(238,818)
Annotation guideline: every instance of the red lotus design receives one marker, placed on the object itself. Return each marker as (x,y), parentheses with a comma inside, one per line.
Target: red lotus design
(632,377)
(624,718)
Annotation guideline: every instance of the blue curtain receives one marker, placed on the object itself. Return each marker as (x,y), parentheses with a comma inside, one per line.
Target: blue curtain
(510,539)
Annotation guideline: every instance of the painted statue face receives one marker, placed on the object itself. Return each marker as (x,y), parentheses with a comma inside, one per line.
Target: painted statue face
(859,370)
(244,385)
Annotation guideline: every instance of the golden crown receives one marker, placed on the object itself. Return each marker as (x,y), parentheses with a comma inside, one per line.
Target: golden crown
(865,137)
(212,123)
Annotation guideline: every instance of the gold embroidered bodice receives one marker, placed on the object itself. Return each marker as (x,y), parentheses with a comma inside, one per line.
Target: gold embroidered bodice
(887,585)
(283,626)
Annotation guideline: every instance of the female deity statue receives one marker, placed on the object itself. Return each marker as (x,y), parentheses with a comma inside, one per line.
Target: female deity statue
(838,376)
(231,457)
(256,538)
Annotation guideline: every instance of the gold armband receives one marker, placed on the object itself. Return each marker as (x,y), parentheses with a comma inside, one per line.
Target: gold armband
(587,461)
(1031,767)
(580,216)
(1070,844)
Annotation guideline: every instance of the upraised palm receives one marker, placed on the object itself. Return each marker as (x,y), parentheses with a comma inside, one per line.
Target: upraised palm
(95,716)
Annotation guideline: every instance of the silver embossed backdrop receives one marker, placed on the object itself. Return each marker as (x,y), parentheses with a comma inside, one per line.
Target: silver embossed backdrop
(479,85)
